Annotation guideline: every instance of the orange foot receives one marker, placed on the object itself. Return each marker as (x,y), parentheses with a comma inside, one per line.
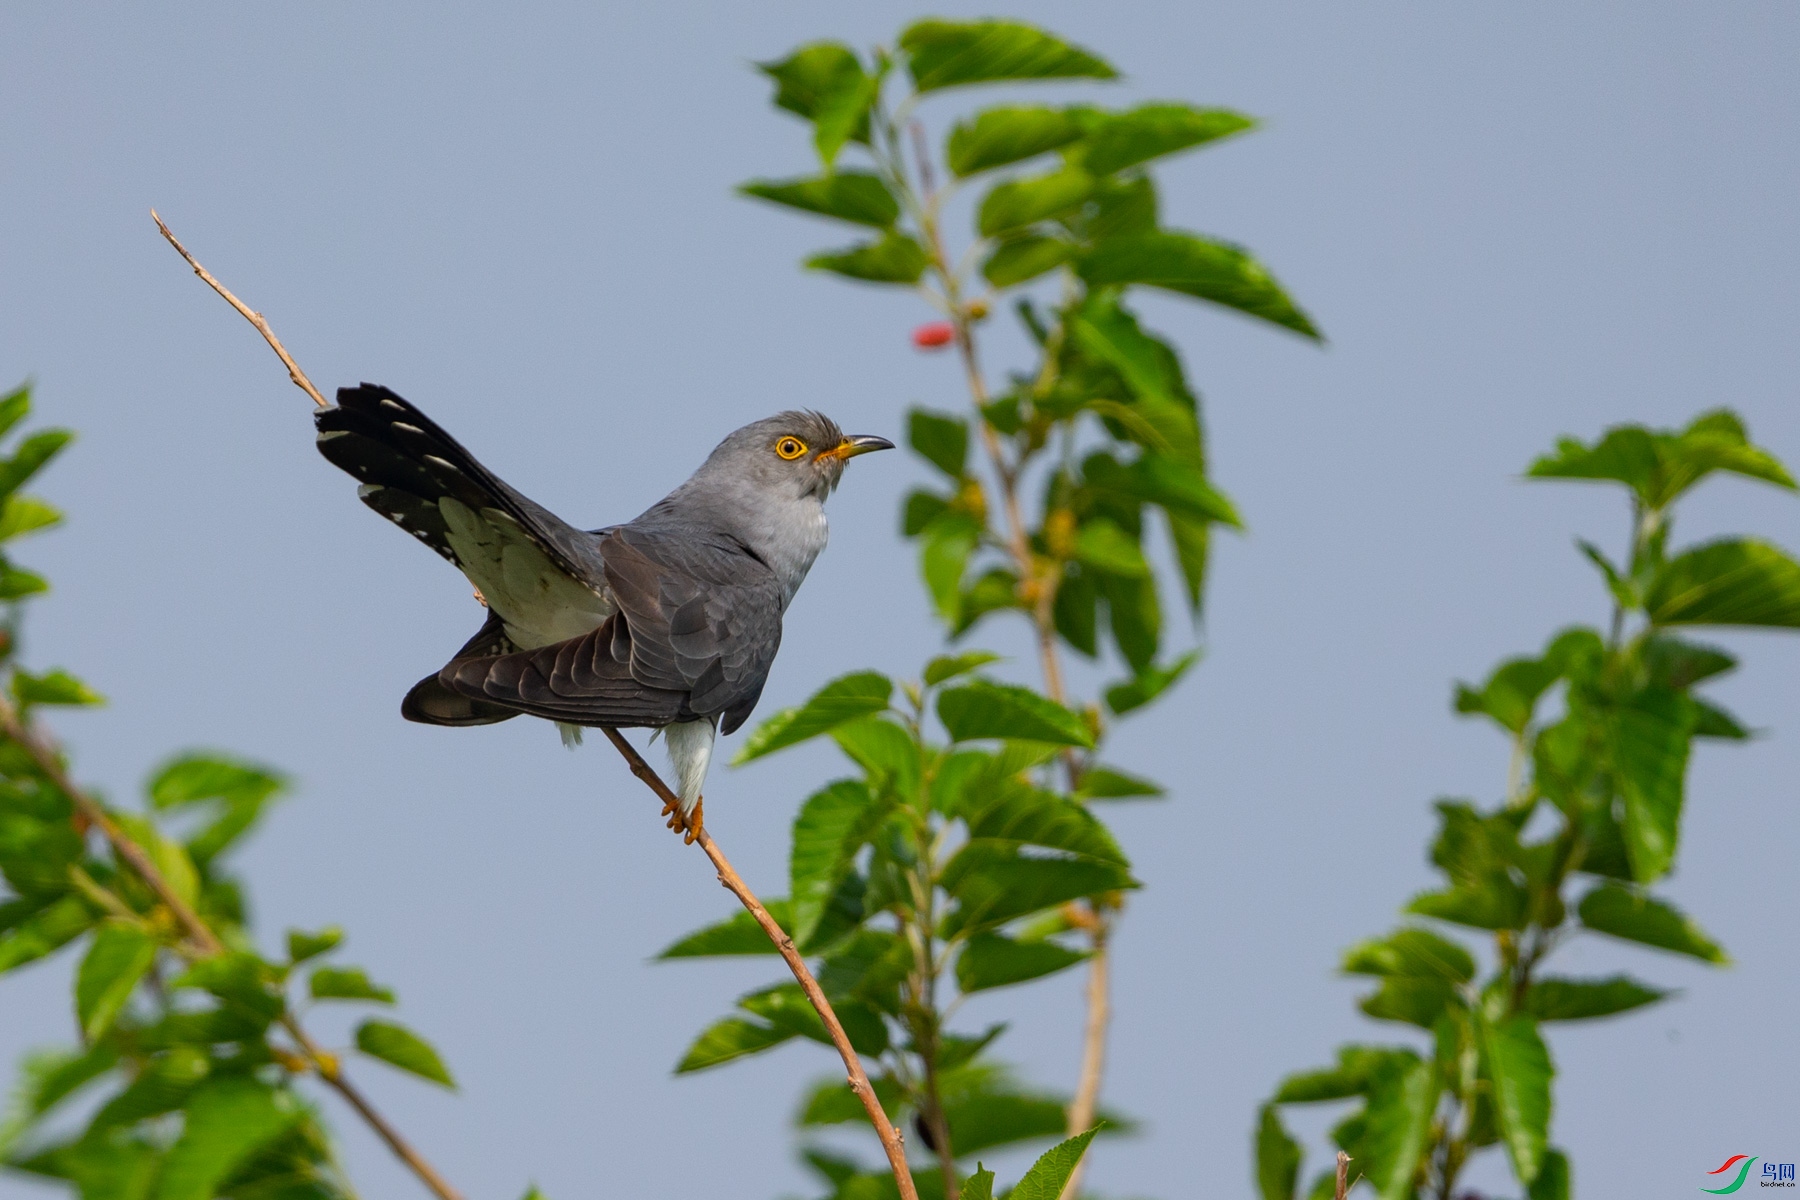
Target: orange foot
(688,827)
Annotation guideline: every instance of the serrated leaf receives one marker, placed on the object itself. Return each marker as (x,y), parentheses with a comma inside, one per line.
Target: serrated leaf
(1019,259)
(53,687)
(1198,267)
(1511,693)
(942,54)
(738,934)
(1018,203)
(20,515)
(831,1102)
(941,439)
(990,961)
(951,666)
(896,258)
(400,1047)
(1397,1125)
(347,983)
(825,83)
(785,1006)
(1277,1157)
(1519,1065)
(1649,737)
(46,1078)
(1733,581)
(854,196)
(1013,813)
(302,945)
(1125,139)
(1357,1071)
(1101,544)
(1554,999)
(1011,133)
(979,1186)
(993,888)
(1149,683)
(240,789)
(1622,913)
(226,1121)
(1050,1172)
(116,960)
(729,1039)
(830,828)
(1659,465)
(1411,953)
(983,709)
(847,698)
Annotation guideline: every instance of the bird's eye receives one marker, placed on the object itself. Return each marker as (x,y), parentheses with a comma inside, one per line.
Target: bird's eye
(790,448)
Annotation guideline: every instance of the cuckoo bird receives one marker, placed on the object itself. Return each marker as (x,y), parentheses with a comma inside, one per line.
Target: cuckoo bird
(669,621)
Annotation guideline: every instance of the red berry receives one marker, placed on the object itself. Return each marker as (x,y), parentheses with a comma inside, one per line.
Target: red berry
(933,335)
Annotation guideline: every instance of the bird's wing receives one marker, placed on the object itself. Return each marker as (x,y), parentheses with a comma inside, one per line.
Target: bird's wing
(697,627)
(544,577)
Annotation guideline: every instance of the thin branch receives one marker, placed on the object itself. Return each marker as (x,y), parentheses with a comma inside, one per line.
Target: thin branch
(1343,1175)
(891,1141)
(205,942)
(249,314)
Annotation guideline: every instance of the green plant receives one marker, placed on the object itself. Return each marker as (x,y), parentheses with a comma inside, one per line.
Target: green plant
(191,1046)
(1052,487)
(1589,821)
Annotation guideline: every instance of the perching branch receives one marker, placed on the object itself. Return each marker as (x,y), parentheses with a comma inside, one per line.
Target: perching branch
(891,1139)
(204,942)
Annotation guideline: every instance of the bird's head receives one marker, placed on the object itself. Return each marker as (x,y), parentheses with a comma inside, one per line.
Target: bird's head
(791,454)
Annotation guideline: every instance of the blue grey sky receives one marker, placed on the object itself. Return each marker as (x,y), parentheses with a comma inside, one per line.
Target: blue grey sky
(1513,221)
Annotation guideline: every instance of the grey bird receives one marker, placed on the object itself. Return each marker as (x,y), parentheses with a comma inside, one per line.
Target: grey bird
(669,621)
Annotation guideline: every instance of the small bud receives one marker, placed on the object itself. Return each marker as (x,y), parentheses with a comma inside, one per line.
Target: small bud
(933,335)
(977,309)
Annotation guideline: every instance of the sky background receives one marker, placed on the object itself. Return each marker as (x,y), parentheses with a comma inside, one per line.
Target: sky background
(1513,222)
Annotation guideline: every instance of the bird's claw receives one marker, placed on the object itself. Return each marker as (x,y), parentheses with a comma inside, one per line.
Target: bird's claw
(688,826)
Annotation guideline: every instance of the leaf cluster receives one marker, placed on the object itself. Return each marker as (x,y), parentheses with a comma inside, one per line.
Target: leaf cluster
(1590,822)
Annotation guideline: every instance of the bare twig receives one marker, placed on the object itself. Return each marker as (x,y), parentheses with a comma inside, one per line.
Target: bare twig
(204,941)
(891,1140)
(1343,1174)
(250,315)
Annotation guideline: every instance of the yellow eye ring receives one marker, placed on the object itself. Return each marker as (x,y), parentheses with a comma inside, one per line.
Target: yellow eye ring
(790,448)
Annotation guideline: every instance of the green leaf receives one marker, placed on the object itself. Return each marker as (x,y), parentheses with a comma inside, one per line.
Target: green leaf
(44,932)
(1192,539)
(983,709)
(1149,683)
(1553,1180)
(241,790)
(1398,1124)
(979,1186)
(944,560)
(1105,547)
(854,196)
(1136,618)
(46,1079)
(1110,783)
(1553,999)
(26,514)
(1017,203)
(1519,1065)
(1357,1070)
(992,889)
(825,83)
(738,934)
(831,827)
(302,945)
(896,258)
(171,857)
(1277,1157)
(728,1039)
(347,983)
(847,698)
(1511,693)
(1497,904)
(922,508)
(14,407)
(1076,612)
(400,1047)
(1733,581)
(1195,266)
(247,984)
(887,752)
(226,1121)
(1411,953)
(1416,1001)
(1659,465)
(940,439)
(30,457)
(1009,134)
(951,666)
(1618,911)
(115,962)
(1049,1173)
(1012,813)
(1649,737)
(1152,130)
(53,687)
(831,1102)
(991,961)
(1019,259)
(942,54)
(16,583)
(785,1006)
